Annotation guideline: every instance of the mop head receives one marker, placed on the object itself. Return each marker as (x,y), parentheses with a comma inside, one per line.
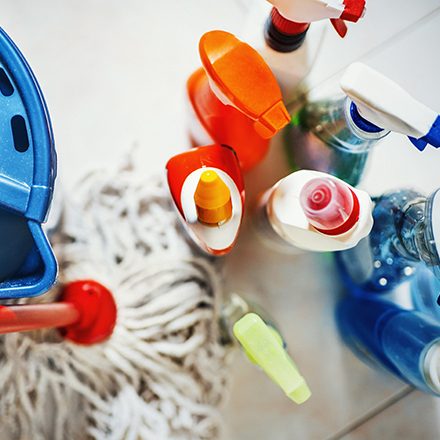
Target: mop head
(162,373)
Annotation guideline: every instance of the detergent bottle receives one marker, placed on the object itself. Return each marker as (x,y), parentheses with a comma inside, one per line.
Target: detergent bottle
(289,34)
(425,292)
(405,342)
(336,135)
(313,211)
(207,188)
(234,99)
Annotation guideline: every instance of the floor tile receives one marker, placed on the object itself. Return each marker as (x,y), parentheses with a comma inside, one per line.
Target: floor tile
(417,416)
(114,72)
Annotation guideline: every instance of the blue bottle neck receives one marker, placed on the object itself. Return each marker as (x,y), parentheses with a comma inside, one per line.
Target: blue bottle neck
(361,126)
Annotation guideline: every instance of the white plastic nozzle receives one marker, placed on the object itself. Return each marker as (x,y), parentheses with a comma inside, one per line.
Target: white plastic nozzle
(385,104)
(307,11)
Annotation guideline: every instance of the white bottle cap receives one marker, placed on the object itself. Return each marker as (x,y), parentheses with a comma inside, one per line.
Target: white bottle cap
(385,104)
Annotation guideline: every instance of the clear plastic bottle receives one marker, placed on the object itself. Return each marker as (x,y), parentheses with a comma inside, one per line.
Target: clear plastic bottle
(336,135)
(402,237)
(323,137)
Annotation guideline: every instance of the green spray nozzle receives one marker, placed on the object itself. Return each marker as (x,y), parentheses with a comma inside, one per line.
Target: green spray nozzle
(264,346)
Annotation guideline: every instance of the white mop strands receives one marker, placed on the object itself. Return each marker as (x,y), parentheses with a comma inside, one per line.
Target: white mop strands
(162,373)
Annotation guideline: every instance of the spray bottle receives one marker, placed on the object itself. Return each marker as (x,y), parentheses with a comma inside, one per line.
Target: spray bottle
(313,211)
(234,99)
(425,292)
(336,135)
(405,342)
(207,189)
(406,233)
(283,43)
(263,344)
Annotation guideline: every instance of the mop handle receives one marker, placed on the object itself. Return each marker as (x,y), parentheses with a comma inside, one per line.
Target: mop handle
(21,318)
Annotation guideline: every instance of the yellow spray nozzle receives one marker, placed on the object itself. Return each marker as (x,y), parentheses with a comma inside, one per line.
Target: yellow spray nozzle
(212,199)
(264,347)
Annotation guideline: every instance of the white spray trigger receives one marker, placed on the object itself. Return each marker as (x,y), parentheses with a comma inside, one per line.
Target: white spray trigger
(387,105)
(308,11)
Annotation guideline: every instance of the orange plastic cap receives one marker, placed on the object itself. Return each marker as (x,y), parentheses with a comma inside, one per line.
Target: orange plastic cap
(212,199)
(240,74)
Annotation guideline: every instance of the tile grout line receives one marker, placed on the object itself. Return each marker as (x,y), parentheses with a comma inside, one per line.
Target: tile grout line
(371,414)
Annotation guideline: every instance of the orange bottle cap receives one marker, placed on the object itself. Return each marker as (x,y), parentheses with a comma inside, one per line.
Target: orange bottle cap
(212,199)
(240,74)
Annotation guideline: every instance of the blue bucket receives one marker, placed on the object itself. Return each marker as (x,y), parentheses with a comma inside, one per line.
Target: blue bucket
(27,176)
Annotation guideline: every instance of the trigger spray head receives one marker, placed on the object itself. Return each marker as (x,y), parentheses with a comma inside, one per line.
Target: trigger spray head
(329,205)
(378,103)
(289,19)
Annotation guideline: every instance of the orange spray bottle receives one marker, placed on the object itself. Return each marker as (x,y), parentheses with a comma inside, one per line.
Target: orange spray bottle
(235,99)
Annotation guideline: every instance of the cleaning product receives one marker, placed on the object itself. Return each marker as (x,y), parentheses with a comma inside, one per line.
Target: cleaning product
(263,345)
(281,34)
(234,99)
(85,314)
(313,211)
(27,264)
(406,233)
(336,135)
(405,342)
(425,292)
(207,188)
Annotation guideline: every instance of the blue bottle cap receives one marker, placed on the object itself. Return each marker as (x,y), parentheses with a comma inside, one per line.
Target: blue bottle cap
(27,177)
(361,122)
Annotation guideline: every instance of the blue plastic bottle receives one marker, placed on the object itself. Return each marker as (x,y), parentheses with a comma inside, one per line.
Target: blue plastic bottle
(425,292)
(336,135)
(405,233)
(407,343)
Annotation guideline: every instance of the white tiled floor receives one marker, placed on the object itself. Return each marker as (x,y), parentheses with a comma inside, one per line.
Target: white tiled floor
(114,72)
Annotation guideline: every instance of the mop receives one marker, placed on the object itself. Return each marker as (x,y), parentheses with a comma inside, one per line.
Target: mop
(161,375)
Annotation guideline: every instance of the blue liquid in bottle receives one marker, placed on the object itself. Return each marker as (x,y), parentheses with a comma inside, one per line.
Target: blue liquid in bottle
(407,343)
(400,240)
(425,292)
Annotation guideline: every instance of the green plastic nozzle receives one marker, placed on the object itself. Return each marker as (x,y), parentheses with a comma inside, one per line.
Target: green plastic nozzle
(264,346)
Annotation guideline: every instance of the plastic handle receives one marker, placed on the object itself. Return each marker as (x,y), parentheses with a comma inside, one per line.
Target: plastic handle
(86,314)
(385,104)
(36,316)
(266,350)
